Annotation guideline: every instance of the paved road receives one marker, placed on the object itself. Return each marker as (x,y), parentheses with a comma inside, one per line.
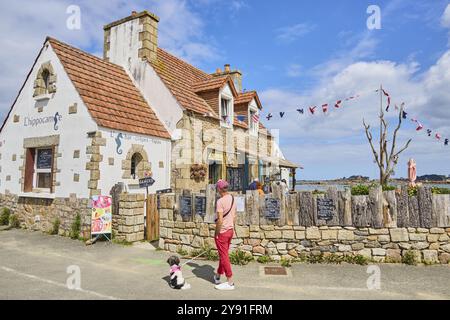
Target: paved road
(34,266)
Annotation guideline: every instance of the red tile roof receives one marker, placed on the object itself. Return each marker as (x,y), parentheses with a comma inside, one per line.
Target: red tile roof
(247,97)
(108,92)
(179,77)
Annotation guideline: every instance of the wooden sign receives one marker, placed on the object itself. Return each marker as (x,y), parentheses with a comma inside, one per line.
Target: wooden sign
(325,209)
(146,182)
(44,159)
(273,211)
(200,205)
(186,206)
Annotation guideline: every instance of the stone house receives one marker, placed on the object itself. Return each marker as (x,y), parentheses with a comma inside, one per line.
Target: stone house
(215,127)
(80,124)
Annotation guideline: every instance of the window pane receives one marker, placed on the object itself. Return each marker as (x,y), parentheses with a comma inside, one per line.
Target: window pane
(44,159)
(44,180)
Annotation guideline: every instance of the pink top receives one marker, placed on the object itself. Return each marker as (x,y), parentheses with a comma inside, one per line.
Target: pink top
(223,205)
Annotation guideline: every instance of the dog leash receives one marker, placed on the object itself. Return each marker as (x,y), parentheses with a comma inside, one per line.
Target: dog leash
(195,257)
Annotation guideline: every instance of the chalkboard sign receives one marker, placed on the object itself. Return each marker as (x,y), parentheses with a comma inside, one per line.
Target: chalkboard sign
(200,205)
(44,159)
(272,209)
(325,209)
(235,177)
(185,206)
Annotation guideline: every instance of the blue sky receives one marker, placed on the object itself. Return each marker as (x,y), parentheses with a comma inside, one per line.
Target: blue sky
(295,53)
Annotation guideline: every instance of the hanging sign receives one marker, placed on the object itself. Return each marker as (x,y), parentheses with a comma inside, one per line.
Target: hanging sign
(146,182)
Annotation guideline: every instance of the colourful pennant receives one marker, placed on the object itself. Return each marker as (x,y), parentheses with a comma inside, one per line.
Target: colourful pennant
(312,109)
(325,108)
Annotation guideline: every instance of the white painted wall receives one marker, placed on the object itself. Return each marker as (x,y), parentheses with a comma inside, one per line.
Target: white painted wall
(124,51)
(72,129)
(157,150)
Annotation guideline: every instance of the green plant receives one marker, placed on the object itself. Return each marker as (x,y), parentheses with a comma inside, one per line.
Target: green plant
(122,242)
(412,191)
(240,257)
(389,188)
(317,192)
(75,228)
(286,262)
(14,221)
(182,252)
(315,258)
(55,228)
(356,259)
(333,259)
(4,217)
(207,252)
(360,190)
(437,190)
(409,258)
(264,259)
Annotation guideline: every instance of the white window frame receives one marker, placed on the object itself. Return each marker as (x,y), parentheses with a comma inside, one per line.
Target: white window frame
(37,171)
(252,126)
(230,108)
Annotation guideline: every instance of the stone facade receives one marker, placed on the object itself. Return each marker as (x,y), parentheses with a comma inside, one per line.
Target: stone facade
(378,244)
(200,136)
(40,214)
(93,165)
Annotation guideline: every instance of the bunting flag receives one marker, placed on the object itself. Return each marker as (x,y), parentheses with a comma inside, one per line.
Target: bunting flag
(241,118)
(339,103)
(404,115)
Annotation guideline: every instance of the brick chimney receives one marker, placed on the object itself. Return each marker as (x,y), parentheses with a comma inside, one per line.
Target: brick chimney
(131,38)
(236,75)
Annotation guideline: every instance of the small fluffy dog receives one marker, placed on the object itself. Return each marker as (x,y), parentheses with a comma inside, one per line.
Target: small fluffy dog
(176,277)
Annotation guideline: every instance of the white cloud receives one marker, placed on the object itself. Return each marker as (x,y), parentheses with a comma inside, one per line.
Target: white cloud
(290,34)
(25,24)
(334,145)
(445,19)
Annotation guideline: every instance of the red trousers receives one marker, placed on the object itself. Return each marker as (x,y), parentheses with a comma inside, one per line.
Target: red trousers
(223,242)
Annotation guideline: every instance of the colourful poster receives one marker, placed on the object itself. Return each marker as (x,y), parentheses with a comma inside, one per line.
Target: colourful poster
(101,219)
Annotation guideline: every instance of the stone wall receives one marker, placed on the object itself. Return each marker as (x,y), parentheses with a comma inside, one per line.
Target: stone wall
(384,244)
(40,214)
(128,222)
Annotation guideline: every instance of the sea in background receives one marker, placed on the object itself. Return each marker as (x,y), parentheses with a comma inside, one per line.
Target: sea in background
(341,187)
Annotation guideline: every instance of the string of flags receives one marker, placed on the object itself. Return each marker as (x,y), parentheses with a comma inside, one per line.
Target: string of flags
(339,104)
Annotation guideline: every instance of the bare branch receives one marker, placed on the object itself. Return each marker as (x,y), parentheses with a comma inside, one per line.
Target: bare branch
(370,139)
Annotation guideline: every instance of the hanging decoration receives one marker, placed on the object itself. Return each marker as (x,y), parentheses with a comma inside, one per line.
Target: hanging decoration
(340,103)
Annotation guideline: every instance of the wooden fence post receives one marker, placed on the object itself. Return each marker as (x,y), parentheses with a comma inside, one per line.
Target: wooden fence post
(306,213)
(345,207)
(210,203)
(390,209)
(413,209)
(402,198)
(424,197)
(361,216)
(376,206)
(441,210)
(332,193)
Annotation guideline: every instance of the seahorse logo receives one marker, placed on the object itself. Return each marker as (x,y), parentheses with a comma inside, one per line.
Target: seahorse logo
(56,119)
(119,143)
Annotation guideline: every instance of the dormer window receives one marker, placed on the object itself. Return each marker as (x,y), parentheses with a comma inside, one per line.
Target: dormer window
(226,112)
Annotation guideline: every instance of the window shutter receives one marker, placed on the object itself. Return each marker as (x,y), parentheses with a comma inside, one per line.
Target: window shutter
(29,170)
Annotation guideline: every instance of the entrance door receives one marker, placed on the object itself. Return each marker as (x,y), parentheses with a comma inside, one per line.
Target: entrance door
(152,218)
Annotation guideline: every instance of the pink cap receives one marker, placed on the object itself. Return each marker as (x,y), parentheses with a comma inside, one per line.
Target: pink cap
(221,184)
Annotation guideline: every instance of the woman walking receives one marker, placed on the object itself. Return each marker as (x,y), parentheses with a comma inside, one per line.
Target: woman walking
(226,218)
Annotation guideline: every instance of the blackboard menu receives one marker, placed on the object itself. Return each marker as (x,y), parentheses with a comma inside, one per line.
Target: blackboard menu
(235,177)
(44,159)
(272,209)
(325,209)
(185,206)
(200,205)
